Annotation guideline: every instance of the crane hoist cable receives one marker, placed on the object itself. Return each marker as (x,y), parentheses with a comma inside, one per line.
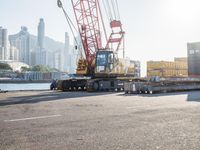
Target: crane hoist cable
(113,9)
(104,28)
(106,11)
(116,2)
(69,21)
(109,9)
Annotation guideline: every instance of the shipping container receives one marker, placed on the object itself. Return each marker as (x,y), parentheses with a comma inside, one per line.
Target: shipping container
(193,59)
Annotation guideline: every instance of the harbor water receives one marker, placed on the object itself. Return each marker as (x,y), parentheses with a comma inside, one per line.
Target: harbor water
(24,86)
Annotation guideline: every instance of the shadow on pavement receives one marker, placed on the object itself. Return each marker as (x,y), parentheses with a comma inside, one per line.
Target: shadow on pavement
(194,96)
(48,96)
(156,94)
(54,96)
(191,95)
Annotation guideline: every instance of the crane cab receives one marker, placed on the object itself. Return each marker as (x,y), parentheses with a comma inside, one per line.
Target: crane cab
(105,61)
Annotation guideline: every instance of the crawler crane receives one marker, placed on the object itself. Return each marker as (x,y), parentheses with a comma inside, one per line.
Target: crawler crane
(101,62)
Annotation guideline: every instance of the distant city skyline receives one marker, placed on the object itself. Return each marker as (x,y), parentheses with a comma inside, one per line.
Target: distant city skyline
(37,50)
(155,30)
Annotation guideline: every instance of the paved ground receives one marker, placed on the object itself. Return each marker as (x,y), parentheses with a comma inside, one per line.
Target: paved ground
(99,121)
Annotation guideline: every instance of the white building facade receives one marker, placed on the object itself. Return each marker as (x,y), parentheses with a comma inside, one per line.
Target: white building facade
(21,41)
(4,51)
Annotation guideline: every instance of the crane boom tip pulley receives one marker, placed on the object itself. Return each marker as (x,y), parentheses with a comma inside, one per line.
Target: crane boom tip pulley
(59,4)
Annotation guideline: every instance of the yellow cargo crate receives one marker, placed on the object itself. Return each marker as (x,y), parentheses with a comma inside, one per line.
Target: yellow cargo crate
(168,73)
(181,65)
(151,65)
(152,73)
(182,73)
(161,73)
(178,68)
(182,59)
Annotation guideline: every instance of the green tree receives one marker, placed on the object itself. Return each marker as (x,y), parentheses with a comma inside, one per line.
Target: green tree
(24,69)
(53,70)
(39,68)
(4,66)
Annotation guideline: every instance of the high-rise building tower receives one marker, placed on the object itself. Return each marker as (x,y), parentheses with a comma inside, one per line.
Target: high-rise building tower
(58,58)
(14,53)
(66,54)
(21,41)
(67,40)
(41,33)
(3,44)
(41,56)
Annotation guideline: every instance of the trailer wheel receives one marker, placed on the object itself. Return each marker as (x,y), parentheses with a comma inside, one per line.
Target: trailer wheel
(64,86)
(96,86)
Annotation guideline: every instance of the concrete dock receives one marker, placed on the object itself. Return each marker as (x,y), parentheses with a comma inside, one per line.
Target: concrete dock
(95,121)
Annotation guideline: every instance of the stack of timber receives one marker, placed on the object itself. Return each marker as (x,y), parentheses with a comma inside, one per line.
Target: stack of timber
(178,68)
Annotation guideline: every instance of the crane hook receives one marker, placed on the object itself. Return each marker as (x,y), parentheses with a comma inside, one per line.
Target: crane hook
(59,3)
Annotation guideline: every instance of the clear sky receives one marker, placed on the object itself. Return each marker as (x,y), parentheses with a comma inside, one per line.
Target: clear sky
(155,29)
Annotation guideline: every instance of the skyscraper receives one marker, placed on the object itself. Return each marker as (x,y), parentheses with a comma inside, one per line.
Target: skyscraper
(14,53)
(33,49)
(41,33)
(22,41)
(41,54)
(66,54)
(69,56)
(4,53)
(58,58)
